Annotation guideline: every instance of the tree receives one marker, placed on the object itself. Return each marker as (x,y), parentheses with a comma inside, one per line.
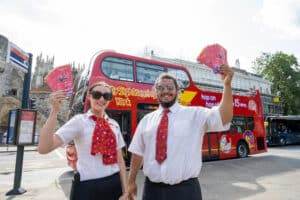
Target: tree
(282,71)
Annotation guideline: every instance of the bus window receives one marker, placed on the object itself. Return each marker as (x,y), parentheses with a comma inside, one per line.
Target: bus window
(238,125)
(78,102)
(78,98)
(284,129)
(250,123)
(147,73)
(117,68)
(294,127)
(181,76)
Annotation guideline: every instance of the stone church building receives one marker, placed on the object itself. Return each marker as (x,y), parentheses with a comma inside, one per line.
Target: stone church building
(11,91)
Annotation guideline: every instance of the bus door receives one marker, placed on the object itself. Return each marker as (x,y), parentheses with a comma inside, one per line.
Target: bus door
(124,120)
(145,108)
(210,147)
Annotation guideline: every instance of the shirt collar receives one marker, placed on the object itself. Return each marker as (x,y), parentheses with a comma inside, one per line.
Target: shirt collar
(173,109)
(89,114)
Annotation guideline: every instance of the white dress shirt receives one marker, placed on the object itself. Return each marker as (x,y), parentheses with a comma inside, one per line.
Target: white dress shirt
(186,128)
(80,129)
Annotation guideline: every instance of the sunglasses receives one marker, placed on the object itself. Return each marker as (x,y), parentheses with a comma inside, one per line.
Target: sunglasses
(97,95)
(162,88)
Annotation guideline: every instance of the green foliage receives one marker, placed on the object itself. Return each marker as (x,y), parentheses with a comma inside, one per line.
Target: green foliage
(282,71)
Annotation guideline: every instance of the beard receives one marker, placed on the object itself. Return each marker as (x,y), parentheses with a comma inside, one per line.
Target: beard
(167,104)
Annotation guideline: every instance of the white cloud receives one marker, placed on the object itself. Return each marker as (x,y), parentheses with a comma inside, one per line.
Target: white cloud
(282,16)
(73,30)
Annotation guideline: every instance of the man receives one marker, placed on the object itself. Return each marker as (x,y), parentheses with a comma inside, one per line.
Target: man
(172,161)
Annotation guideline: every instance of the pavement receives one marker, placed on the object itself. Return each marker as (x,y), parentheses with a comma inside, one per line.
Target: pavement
(266,176)
(55,184)
(40,183)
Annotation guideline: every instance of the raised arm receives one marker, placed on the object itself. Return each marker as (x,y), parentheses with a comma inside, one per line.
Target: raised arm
(226,107)
(49,141)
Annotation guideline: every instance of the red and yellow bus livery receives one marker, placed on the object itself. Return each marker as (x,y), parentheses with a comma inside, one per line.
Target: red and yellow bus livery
(132,79)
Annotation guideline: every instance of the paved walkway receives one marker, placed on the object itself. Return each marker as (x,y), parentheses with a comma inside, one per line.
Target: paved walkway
(271,175)
(47,180)
(54,185)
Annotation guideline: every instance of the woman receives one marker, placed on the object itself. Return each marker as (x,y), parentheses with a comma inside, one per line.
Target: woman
(98,140)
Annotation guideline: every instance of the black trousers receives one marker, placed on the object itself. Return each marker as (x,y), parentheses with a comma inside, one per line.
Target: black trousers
(186,190)
(107,188)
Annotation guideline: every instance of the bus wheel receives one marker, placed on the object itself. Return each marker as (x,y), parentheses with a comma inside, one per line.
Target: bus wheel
(242,150)
(282,142)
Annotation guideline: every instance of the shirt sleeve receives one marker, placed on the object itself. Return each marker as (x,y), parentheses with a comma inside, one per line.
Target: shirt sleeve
(70,130)
(214,121)
(137,145)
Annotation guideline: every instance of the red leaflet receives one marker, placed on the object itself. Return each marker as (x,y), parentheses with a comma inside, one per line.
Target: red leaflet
(60,78)
(213,56)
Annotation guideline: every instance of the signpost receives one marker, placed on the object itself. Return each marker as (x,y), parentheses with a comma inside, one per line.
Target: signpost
(18,57)
(25,125)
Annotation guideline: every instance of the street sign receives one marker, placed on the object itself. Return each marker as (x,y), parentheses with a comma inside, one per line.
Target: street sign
(25,127)
(18,57)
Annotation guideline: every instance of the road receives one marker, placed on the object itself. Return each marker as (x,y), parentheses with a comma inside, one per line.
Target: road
(272,175)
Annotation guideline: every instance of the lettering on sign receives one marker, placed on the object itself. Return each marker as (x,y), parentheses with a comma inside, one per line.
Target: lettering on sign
(125,102)
(211,104)
(210,100)
(208,97)
(122,95)
(238,104)
(128,92)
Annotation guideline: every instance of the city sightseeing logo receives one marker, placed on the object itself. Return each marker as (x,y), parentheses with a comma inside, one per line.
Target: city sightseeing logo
(225,144)
(249,137)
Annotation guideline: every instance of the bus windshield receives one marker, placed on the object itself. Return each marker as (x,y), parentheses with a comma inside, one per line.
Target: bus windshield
(282,130)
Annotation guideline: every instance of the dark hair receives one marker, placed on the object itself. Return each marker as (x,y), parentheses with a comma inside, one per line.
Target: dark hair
(165,75)
(100,83)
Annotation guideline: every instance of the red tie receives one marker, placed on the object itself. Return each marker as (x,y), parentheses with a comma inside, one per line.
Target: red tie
(104,141)
(161,138)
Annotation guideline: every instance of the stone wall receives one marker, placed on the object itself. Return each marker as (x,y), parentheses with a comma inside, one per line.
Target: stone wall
(43,107)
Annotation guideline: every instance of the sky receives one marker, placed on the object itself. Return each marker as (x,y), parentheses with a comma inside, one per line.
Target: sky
(74,30)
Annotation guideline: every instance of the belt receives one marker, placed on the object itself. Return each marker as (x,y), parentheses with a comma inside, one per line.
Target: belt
(106,178)
(161,184)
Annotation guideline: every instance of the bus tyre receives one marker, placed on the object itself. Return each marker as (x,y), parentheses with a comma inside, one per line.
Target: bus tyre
(242,150)
(282,142)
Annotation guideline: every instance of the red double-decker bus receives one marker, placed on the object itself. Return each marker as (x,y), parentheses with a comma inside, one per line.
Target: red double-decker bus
(132,79)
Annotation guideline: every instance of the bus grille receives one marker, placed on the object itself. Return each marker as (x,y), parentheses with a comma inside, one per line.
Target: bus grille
(260,143)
